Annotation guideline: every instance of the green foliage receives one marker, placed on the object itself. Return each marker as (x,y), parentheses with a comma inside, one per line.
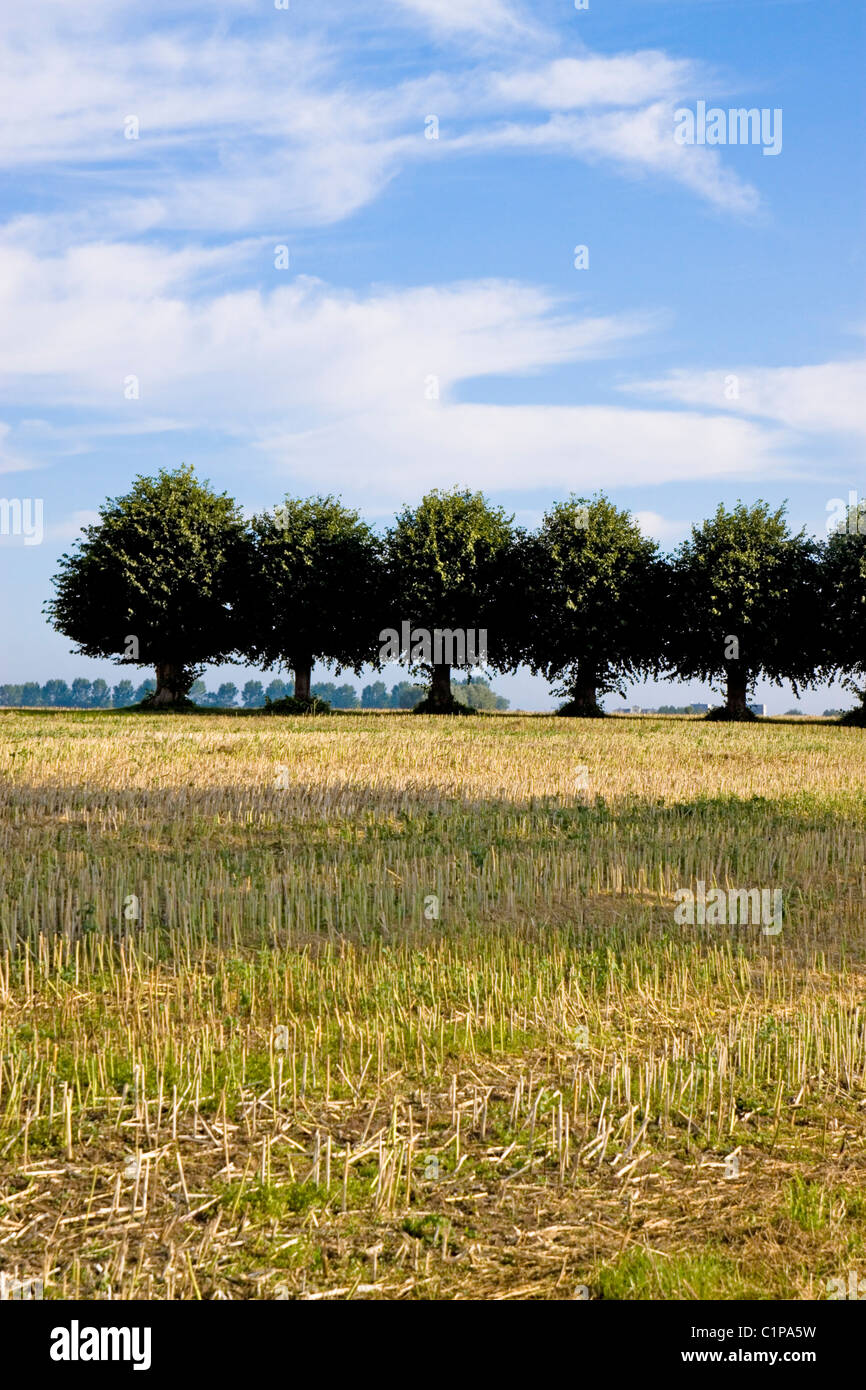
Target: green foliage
(447,560)
(473,694)
(432,705)
(253,695)
(406,695)
(587,593)
(743,575)
(310,586)
(100,695)
(80,693)
(808,1203)
(56,692)
(155,567)
(222,698)
(291,704)
(722,715)
(122,694)
(582,708)
(844,597)
(279,690)
(375,696)
(477,694)
(269,1201)
(703,1275)
(337,696)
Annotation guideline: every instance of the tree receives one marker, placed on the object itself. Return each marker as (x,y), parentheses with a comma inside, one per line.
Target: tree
(10,695)
(310,589)
(375,696)
(100,695)
(31,693)
(478,695)
(586,592)
(745,602)
(279,690)
(122,694)
(226,695)
(337,696)
(197,692)
(145,690)
(843,601)
(446,561)
(405,695)
(56,692)
(80,693)
(149,585)
(346,697)
(253,695)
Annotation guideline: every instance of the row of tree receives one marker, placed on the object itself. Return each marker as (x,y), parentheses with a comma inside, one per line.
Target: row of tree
(82,694)
(173,576)
(85,694)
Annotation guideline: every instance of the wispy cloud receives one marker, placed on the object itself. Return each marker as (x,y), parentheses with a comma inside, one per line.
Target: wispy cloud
(827,398)
(11,460)
(491,19)
(361,389)
(232,131)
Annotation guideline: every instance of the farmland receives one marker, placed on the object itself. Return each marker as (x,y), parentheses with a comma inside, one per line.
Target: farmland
(396,1007)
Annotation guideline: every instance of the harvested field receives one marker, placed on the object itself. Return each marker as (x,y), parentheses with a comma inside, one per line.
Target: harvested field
(397,1007)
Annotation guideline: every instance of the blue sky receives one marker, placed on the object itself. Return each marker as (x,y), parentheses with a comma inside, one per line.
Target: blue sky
(713,349)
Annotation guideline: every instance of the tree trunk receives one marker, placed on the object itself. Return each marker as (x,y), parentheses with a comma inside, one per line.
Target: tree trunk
(440,696)
(171,685)
(583,696)
(303,669)
(736,702)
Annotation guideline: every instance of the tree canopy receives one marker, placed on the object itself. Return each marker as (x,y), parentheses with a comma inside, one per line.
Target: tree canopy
(745,602)
(149,583)
(310,589)
(446,562)
(588,600)
(844,602)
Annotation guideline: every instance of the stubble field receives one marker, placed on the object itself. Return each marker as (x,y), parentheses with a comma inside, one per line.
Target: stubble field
(397,1007)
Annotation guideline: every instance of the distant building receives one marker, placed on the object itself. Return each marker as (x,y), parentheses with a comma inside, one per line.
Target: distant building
(759,709)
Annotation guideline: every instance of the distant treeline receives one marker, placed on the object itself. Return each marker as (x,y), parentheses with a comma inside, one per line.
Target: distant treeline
(85,694)
(81,694)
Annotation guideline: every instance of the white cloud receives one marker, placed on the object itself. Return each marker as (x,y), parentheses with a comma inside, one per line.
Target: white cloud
(829,397)
(73,327)
(69,528)
(11,461)
(521,447)
(623,80)
(662,529)
(342,384)
(640,142)
(239,132)
(488,18)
